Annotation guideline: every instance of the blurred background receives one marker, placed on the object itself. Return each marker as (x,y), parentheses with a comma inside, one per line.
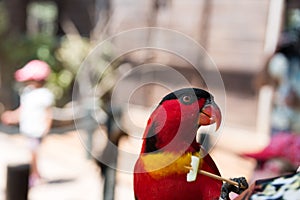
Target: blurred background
(240,37)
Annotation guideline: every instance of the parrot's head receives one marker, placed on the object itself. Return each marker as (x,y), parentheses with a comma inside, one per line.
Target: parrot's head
(174,123)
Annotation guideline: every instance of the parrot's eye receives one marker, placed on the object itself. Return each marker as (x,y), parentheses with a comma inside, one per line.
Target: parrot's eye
(187,99)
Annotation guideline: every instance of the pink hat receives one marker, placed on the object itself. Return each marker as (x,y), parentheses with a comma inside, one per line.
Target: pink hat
(35,70)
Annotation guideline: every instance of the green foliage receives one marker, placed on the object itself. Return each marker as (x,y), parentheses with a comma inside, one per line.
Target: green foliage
(42,17)
(19,50)
(72,51)
(64,54)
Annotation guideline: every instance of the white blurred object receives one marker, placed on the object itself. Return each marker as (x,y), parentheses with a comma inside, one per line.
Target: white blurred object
(278,66)
(192,175)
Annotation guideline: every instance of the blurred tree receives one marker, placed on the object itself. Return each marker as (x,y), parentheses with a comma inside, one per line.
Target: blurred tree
(15,52)
(29,29)
(80,12)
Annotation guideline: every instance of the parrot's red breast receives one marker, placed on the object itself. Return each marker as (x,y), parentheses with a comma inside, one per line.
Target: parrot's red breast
(169,142)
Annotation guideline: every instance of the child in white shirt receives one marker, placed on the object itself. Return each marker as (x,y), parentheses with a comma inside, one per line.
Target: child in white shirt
(34,114)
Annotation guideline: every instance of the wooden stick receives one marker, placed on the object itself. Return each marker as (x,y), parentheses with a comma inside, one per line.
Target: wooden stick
(216,177)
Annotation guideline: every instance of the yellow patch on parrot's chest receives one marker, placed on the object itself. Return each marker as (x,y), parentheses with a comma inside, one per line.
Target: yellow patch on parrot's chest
(164,164)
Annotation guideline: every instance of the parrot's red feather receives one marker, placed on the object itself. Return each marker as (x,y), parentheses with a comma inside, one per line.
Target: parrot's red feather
(171,129)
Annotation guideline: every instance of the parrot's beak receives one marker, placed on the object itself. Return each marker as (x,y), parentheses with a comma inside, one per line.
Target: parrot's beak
(210,114)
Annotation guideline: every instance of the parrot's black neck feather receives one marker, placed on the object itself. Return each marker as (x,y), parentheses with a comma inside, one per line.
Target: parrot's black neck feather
(151,144)
(151,141)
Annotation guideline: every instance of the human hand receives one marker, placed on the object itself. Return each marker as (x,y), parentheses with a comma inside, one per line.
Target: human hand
(10,117)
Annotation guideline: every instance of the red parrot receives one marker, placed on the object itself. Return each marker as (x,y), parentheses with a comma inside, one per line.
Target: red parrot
(169,141)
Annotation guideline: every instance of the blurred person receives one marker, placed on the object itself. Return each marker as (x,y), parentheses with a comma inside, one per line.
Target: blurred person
(34,114)
(284,68)
(281,155)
